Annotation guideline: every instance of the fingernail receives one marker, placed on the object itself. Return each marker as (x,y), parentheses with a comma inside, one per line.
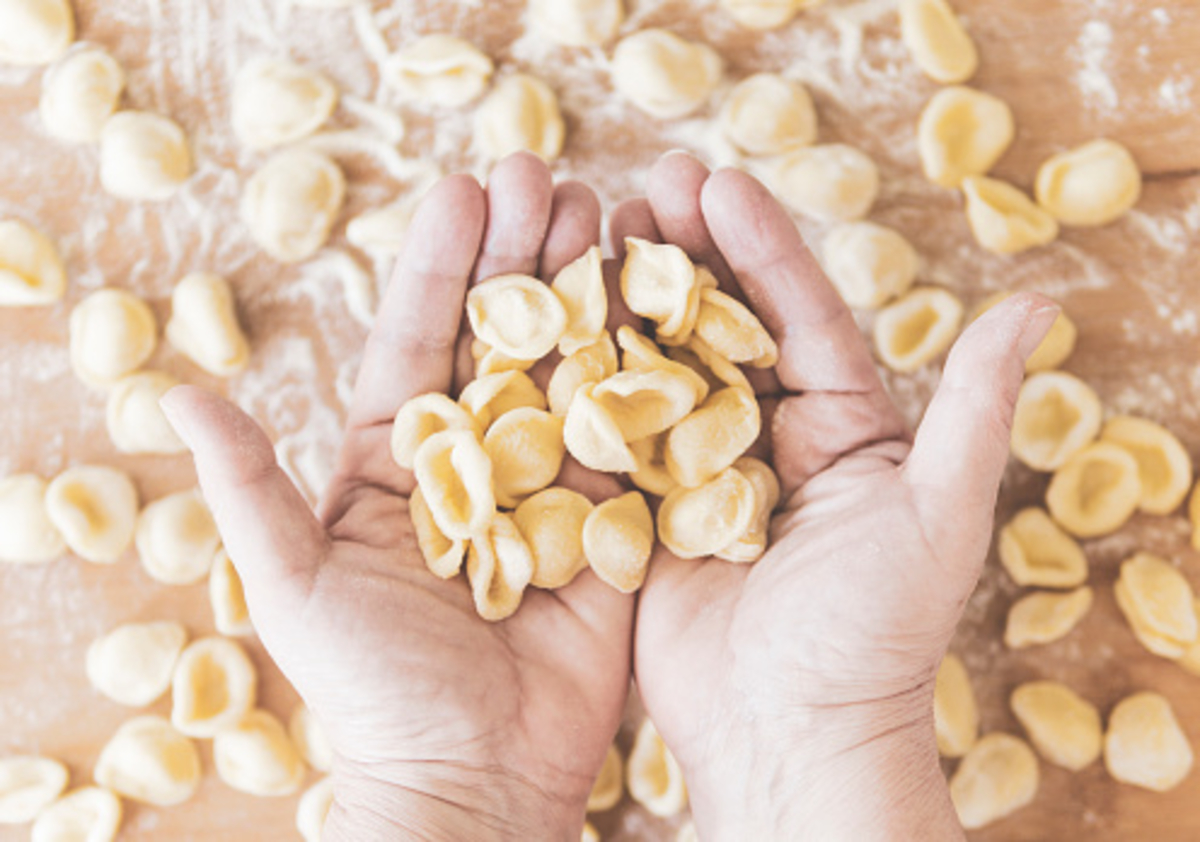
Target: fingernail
(1039,324)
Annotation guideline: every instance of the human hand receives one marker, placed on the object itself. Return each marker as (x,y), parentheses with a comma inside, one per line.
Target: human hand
(445,726)
(796,693)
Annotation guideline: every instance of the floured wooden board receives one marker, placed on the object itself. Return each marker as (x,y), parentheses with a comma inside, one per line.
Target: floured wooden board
(1072,70)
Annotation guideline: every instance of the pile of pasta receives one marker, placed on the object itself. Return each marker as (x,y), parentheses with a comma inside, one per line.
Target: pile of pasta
(677,422)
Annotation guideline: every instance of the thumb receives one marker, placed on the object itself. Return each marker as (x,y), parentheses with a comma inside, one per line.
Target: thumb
(271,534)
(962,445)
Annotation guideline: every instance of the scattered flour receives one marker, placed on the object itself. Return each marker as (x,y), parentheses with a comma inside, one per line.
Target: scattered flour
(1092,53)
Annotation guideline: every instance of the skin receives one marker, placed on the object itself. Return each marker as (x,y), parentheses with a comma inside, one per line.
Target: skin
(796,692)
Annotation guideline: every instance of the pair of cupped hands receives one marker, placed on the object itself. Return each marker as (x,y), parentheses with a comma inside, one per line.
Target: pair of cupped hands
(796,693)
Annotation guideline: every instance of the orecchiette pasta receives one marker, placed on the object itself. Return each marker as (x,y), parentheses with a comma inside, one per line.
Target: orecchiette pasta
(1144,745)
(489,360)
(717,371)
(310,739)
(652,474)
(112,332)
(913,331)
(255,756)
(937,41)
(87,814)
(1055,348)
(577,23)
(552,523)
(133,663)
(962,132)
(830,183)
(518,315)
(443,556)
(641,354)
(618,537)
(1064,728)
(955,711)
(79,94)
(34,32)
(27,534)
(313,808)
(227,598)
(594,437)
(455,475)
(526,449)
(653,775)
(1190,660)
(147,760)
(177,538)
(869,264)
(644,403)
(439,70)
(607,789)
(733,331)
(1057,415)
(490,396)
(1096,492)
(589,833)
(213,687)
(382,229)
(713,437)
(422,417)
(96,510)
(996,778)
(276,102)
(580,289)
(656,280)
(28,785)
(143,156)
(753,543)
(136,423)
(769,115)
(664,75)
(765,14)
(678,328)
(1164,466)
(1003,219)
(204,325)
(499,567)
(520,114)
(291,203)
(699,522)
(31,272)
(1089,185)
(1044,617)
(1159,605)
(1035,551)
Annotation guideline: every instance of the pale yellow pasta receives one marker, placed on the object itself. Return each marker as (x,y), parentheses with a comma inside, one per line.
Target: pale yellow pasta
(551,522)
(133,663)
(1096,492)
(455,475)
(653,775)
(767,114)
(517,315)
(1064,728)
(1090,185)
(765,14)
(608,788)
(213,687)
(227,598)
(914,330)
(677,329)
(713,437)
(618,538)
(1159,604)
(310,739)
(1003,219)
(492,361)
(664,75)
(177,538)
(580,288)
(641,354)
(382,229)
(1044,617)
(291,203)
(753,543)
(256,756)
(135,421)
(147,760)
(520,115)
(275,102)
(28,785)
(526,449)
(656,280)
(1164,466)
(86,814)
(645,403)
(31,272)
(439,70)
(1190,660)
(577,23)
(869,264)
(34,32)
(830,183)
(1037,552)
(717,371)
(652,474)
(1057,416)
(443,556)
(585,367)
(955,711)
(997,777)
(312,809)
(937,42)
(962,132)
(95,508)
(1194,516)
(593,436)
(499,567)
(112,332)
(1145,746)
(733,331)
(144,157)
(1055,348)
(699,522)
(27,534)
(204,325)
(422,417)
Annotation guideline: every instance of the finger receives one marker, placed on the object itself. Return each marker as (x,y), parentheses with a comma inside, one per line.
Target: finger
(574,227)
(520,195)
(632,218)
(271,535)
(674,187)
(962,446)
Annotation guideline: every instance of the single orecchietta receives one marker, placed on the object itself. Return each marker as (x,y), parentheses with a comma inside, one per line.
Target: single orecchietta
(1144,745)
(1064,728)
(136,422)
(1096,491)
(997,777)
(86,814)
(143,156)
(955,711)
(1043,617)
(133,663)
(291,203)
(1057,415)
(257,757)
(937,41)
(177,538)
(830,183)
(1090,185)
(79,94)
(204,325)
(766,114)
(35,32)
(653,775)
(914,330)
(213,687)
(147,760)
(1037,552)
(31,272)
(27,533)
(1159,604)
(112,333)
(439,70)
(28,785)
(963,132)
(520,114)
(95,508)
(577,23)
(276,102)
(664,75)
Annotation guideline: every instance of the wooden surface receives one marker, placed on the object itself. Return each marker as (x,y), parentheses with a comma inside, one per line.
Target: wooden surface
(1071,70)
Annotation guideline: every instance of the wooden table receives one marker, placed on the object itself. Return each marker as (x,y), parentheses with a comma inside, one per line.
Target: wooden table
(1072,70)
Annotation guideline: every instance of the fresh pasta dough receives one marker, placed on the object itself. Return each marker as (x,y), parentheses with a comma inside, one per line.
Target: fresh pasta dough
(144,157)
(455,475)
(520,114)
(526,449)
(1144,745)
(136,422)
(133,663)
(664,75)
(732,330)
(753,543)
(382,229)
(79,94)
(551,522)
(1096,491)
(641,354)
(31,272)
(832,182)
(585,367)
(313,808)
(204,325)
(765,14)
(112,333)
(577,23)
(1159,604)
(439,70)
(1057,415)
(580,288)
(28,785)
(1164,466)
(255,756)
(937,41)
(95,508)
(997,777)
(657,281)
(618,538)
(963,132)
(1090,185)
(291,203)
(713,437)
(517,315)
(87,814)
(594,437)
(1003,219)
(310,739)
(27,534)
(766,114)
(147,760)
(699,522)
(653,775)
(177,538)
(1064,728)
(34,32)
(645,403)
(869,264)
(213,687)
(608,788)
(227,598)
(499,568)
(488,397)
(1043,617)
(914,330)
(955,711)
(1037,552)
(422,417)
(276,102)
(443,556)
